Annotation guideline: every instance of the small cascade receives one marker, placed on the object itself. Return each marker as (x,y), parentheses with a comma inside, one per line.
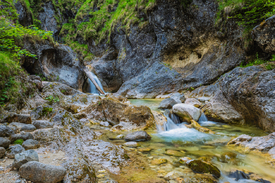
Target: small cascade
(203,118)
(92,88)
(169,124)
(174,129)
(203,121)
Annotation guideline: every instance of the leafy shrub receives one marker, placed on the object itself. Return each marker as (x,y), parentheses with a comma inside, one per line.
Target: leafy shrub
(12,36)
(9,87)
(18,141)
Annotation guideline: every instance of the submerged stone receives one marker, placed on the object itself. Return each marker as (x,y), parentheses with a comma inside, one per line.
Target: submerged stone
(199,166)
(158,161)
(131,144)
(174,153)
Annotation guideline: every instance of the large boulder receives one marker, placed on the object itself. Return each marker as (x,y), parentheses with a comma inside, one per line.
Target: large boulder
(263,144)
(250,91)
(219,109)
(264,35)
(24,157)
(137,136)
(31,144)
(112,110)
(187,112)
(39,172)
(178,97)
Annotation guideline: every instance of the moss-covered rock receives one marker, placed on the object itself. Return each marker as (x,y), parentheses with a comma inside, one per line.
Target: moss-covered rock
(199,166)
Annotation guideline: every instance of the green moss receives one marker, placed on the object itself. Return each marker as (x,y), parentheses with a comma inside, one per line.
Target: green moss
(18,141)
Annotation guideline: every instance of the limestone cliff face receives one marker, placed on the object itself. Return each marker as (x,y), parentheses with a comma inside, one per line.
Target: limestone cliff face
(179,48)
(174,47)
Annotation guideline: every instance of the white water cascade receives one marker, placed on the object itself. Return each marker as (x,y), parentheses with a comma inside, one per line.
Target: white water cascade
(92,88)
(174,129)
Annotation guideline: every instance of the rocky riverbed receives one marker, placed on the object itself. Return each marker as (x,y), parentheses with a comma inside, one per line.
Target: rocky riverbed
(90,138)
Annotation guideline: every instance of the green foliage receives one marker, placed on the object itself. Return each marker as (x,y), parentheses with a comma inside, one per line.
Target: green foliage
(46,111)
(247,13)
(51,99)
(8,10)
(18,141)
(9,87)
(11,37)
(268,64)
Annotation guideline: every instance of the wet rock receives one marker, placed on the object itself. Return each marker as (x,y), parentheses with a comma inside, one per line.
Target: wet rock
(28,128)
(118,137)
(24,157)
(187,112)
(144,149)
(21,135)
(39,172)
(228,157)
(158,161)
(131,144)
(219,109)
(13,150)
(39,124)
(264,143)
(31,144)
(137,136)
(174,153)
(263,34)
(4,142)
(194,102)
(199,166)
(2,152)
(167,103)
(237,175)
(198,127)
(250,91)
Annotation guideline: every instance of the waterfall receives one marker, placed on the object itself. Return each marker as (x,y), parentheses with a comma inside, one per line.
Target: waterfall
(92,88)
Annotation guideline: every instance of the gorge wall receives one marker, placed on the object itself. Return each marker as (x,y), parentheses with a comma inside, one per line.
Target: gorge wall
(174,45)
